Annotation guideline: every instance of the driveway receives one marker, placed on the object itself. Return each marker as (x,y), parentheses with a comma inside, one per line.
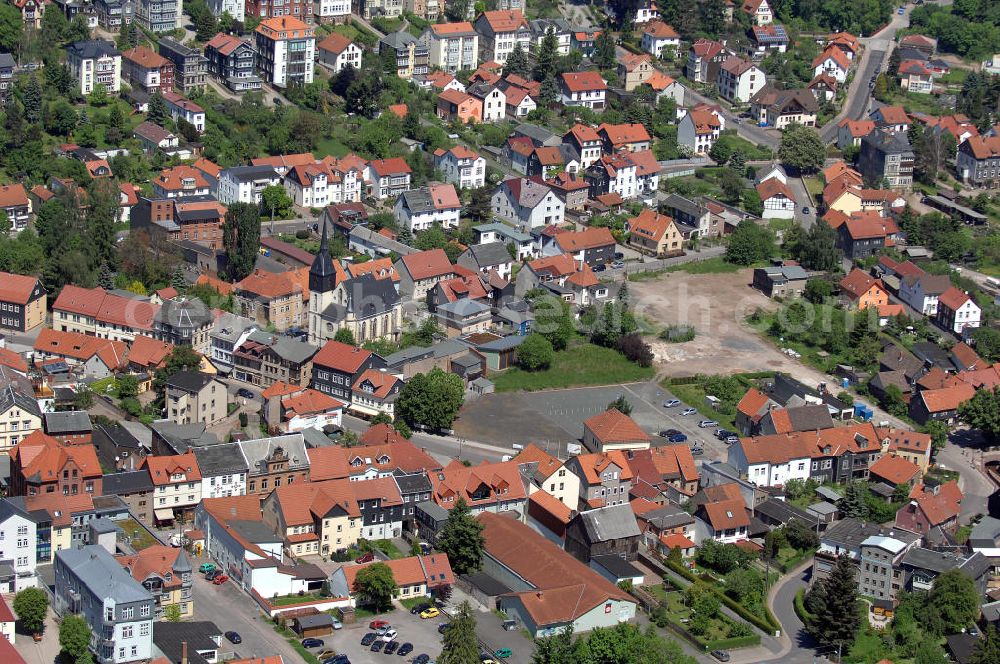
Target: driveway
(46,650)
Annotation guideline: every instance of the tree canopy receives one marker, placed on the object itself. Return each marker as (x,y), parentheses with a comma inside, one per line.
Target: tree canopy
(376,584)
(462,539)
(833,603)
(802,149)
(431,399)
(30,605)
(750,243)
(982,412)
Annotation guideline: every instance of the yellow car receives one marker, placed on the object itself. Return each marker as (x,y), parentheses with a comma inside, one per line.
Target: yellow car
(430,613)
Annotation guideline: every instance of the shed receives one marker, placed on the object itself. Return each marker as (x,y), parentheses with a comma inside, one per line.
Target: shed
(616,569)
(318,624)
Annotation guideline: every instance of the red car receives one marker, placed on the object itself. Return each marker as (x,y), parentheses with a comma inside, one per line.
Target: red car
(367,558)
(375,624)
(219,580)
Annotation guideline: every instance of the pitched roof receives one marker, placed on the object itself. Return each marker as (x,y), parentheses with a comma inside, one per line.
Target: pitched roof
(753,404)
(736,65)
(504,20)
(381,383)
(894,469)
(546,463)
(502,480)
(953,298)
(81,347)
(660,30)
(393,166)
(583,81)
(456,28)
(774,187)
(132,313)
(667,462)
(552,506)
(165,562)
(939,504)
(781,448)
(148,352)
(225,44)
(145,57)
(427,264)
(162,467)
(16,288)
(433,570)
(946,398)
(613,426)
(563,587)
(726,514)
(858,283)
(650,224)
(13,360)
(893,115)
(707,48)
(341,356)
(42,457)
(592,465)
(835,54)
(334,43)
(868,225)
(589,238)
(620,134)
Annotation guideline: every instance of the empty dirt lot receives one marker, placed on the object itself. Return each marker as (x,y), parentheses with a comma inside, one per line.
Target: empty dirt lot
(716,305)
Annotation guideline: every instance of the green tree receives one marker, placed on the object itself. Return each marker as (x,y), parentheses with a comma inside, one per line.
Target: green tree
(74,637)
(345,336)
(83,398)
(621,404)
(751,202)
(987,342)
(836,618)
(11,28)
(128,386)
(461,646)
(750,243)
(545,59)
(376,584)
(982,412)
(952,604)
(818,290)
(31,98)
(604,50)
(535,353)
(892,401)
(802,149)
(938,431)
(817,249)
(275,201)
(172,613)
(555,649)
(548,93)
(732,186)
(158,112)
(78,29)
(853,504)
(517,62)
(31,604)
(462,539)
(241,239)
(987,650)
(431,399)
(456,10)
(205,25)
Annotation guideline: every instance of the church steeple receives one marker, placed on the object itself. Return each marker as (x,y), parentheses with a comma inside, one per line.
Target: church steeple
(322,274)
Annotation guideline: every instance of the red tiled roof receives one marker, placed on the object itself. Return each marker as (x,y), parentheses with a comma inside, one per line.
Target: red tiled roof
(427,264)
(224,44)
(81,347)
(547,464)
(309,401)
(270,285)
(42,456)
(620,134)
(334,43)
(502,480)
(774,187)
(858,283)
(589,238)
(613,426)
(434,570)
(894,469)
(381,381)
(894,115)
(552,505)
(148,352)
(505,20)
(162,467)
(583,81)
(938,506)
(341,356)
(16,288)
(157,560)
(753,403)
(727,514)
(145,57)
(947,398)
(953,298)
(9,358)
(660,30)
(393,166)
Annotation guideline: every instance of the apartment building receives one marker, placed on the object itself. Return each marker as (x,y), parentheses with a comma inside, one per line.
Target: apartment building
(286,49)
(190,66)
(95,62)
(452,47)
(233,61)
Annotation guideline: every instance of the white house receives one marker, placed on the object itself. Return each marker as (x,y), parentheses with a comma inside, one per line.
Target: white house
(739,80)
(832,62)
(182,108)
(309,186)
(236,8)
(244,184)
(922,291)
(95,62)
(527,204)
(700,128)
(331,11)
(461,166)
(957,311)
(778,199)
(583,88)
(523,243)
(420,209)
(769,466)
(658,36)
(560,28)
(493,98)
(17,545)
(759,10)
(499,31)
(337,51)
(452,47)
(388,177)
(223,470)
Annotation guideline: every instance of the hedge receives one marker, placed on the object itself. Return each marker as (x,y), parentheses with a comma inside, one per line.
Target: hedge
(794,562)
(733,643)
(767,622)
(800,606)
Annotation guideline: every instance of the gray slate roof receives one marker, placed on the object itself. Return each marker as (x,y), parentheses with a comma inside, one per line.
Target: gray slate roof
(935,561)
(783,512)
(257,450)
(985,533)
(287,348)
(181,437)
(7,61)
(11,396)
(617,565)
(610,523)
(224,459)
(366,297)
(134,481)
(190,381)
(490,254)
(67,422)
(101,573)
(92,49)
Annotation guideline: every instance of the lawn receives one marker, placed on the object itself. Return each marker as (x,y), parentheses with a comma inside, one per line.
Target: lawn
(137,536)
(814,186)
(715,265)
(583,364)
(330,146)
(389,549)
(286,600)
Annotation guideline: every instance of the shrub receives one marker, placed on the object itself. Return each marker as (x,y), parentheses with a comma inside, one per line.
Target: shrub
(636,350)
(678,334)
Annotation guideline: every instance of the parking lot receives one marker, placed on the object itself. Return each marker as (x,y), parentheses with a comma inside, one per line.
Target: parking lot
(554,418)
(411,629)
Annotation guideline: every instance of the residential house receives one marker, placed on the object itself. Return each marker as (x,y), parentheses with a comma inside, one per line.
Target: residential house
(862,290)
(924,44)
(270,298)
(72,427)
(628,137)
(192,396)
(700,128)
(223,470)
(781,108)
(605,478)
(245,184)
(669,470)
(931,506)
(606,531)
(586,142)
(375,393)
(389,177)
(585,88)
(423,208)
(420,271)
(887,157)
(832,62)
(190,65)
(785,281)
(95,62)
(314,517)
(879,564)
(893,119)
(148,71)
(166,573)
(415,576)
(527,203)
(157,15)
(117,608)
(655,234)
(154,137)
(560,28)
(462,167)
(765,39)
(914,76)
(455,104)
(286,50)
(565,278)
(499,31)
(923,291)
(274,462)
(957,311)
(182,108)
(19,547)
(940,404)
(893,470)
(337,51)
(613,430)
(181,181)
(544,578)
(978,161)
(94,357)
(41,464)
(759,10)
(487,258)
(726,521)
(778,199)
(23,300)
(634,69)
(32,12)
(824,88)
(264,359)
(488,487)
(739,80)
(658,36)
(14,202)
(550,475)
(411,54)
(452,47)
(233,61)
(593,245)
(703,61)
(337,367)
(613,174)
(178,486)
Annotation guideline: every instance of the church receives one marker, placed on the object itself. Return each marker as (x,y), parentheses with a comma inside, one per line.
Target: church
(370,308)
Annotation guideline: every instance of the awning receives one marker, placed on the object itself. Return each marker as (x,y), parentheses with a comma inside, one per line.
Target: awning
(166,514)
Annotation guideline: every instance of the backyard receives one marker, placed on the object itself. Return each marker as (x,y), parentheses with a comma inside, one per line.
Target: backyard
(136,536)
(697,615)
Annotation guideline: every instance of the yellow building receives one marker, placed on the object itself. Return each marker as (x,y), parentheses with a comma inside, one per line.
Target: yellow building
(315,517)
(165,572)
(19,416)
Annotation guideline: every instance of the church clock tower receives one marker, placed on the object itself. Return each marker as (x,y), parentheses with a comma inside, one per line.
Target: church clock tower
(322,282)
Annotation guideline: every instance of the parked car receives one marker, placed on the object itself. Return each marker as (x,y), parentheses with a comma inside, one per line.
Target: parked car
(617,265)
(337,624)
(722,434)
(732,440)
(365,558)
(337,659)
(422,658)
(312,642)
(432,612)
(219,580)
(599,268)
(210,576)
(405,649)
(697,451)
(234,637)
(367,639)
(390,647)
(420,608)
(377,645)
(667,433)
(670,403)
(206,567)
(705,424)
(443,627)
(689,411)
(678,438)
(382,631)
(721,655)
(503,653)
(325,654)
(375,624)
(619,255)
(389,635)
(806,210)
(245,393)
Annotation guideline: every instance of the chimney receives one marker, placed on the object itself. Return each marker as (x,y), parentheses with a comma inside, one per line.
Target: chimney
(184,652)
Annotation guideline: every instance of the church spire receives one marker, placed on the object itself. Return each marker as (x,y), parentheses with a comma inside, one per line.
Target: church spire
(322,273)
